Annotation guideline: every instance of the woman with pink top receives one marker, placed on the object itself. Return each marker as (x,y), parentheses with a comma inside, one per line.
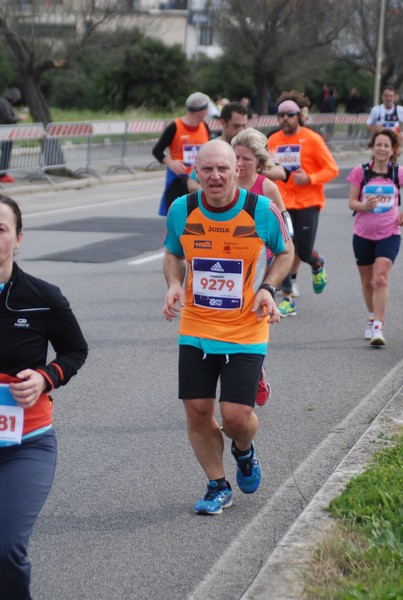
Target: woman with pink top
(254,164)
(253,160)
(374,198)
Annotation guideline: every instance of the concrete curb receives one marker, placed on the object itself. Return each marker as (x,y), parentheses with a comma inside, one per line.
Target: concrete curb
(32,187)
(281,576)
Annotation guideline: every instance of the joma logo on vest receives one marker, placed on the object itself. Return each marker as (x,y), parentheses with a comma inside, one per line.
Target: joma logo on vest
(219,229)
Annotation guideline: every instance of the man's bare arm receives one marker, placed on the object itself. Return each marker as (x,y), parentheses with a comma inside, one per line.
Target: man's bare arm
(281,265)
(264,304)
(174,268)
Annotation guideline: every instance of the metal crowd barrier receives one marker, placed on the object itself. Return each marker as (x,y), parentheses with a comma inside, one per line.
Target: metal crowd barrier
(141,137)
(21,147)
(341,131)
(66,147)
(83,147)
(79,147)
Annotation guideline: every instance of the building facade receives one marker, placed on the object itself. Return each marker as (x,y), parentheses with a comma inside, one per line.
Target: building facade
(188,23)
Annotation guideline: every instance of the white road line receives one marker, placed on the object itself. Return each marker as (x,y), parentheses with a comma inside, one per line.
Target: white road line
(89,206)
(146,259)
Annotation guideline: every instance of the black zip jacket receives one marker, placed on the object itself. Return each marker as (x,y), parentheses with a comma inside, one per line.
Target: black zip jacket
(32,314)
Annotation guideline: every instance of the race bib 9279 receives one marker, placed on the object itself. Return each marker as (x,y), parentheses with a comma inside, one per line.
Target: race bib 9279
(217,282)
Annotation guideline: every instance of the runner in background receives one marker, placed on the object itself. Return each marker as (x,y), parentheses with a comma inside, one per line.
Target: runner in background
(374,198)
(304,103)
(387,115)
(234,118)
(183,137)
(252,159)
(304,152)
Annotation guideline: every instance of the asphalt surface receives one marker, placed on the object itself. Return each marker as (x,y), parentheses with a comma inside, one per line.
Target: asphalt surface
(118,525)
(281,578)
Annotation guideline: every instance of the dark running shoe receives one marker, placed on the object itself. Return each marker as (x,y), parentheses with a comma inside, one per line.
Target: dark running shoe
(248,472)
(215,499)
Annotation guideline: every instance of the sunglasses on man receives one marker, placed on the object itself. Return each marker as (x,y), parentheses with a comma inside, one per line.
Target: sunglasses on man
(287,114)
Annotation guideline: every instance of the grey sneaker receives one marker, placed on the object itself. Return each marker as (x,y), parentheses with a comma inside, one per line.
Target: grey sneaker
(294,289)
(368,330)
(377,339)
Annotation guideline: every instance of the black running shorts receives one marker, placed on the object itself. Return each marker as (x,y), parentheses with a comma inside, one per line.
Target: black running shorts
(199,373)
(367,251)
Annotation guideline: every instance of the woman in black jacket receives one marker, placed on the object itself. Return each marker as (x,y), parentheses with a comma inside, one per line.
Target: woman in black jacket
(33,313)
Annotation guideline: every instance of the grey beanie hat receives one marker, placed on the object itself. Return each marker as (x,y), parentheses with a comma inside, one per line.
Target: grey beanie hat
(197,101)
(13,94)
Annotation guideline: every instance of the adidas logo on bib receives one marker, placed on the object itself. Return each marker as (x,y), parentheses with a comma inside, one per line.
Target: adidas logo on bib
(217,267)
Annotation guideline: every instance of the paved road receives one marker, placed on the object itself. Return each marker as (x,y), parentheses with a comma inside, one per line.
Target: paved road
(119,522)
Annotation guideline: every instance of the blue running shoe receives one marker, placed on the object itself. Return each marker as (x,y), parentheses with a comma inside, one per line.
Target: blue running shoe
(215,499)
(248,471)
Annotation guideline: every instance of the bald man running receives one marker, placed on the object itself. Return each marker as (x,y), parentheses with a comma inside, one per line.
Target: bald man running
(221,234)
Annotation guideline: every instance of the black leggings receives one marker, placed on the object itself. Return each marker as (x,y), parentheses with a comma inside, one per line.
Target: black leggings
(305,224)
(26,476)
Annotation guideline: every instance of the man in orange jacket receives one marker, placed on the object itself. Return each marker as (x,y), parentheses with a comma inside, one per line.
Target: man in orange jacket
(304,153)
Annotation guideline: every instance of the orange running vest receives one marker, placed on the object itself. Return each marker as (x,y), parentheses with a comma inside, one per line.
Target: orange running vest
(187,141)
(224,271)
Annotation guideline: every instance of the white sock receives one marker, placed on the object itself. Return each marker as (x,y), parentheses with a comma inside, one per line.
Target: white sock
(371,316)
(378,324)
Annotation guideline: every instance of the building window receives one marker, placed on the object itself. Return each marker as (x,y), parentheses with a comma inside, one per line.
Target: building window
(174,5)
(206,35)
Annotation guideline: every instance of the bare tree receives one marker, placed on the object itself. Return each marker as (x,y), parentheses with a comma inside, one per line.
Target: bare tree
(280,36)
(42,37)
(362,36)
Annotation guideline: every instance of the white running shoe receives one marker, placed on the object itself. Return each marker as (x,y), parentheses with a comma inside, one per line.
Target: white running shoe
(294,290)
(368,330)
(377,339)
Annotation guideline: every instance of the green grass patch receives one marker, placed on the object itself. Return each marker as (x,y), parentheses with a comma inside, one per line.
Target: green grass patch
(362,558)
(73,115)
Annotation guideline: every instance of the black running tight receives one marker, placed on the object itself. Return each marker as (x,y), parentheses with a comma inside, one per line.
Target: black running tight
(305,224)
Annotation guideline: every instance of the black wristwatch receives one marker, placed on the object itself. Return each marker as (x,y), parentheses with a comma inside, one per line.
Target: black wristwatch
(287,174)
(269,287)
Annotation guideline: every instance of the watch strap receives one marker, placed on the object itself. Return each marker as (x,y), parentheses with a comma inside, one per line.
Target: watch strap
(270,288)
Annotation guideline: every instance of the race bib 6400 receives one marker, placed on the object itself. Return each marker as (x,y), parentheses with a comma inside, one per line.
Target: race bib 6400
(289,156)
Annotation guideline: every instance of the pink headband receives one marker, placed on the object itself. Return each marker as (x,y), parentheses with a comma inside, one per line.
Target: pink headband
(289,106)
